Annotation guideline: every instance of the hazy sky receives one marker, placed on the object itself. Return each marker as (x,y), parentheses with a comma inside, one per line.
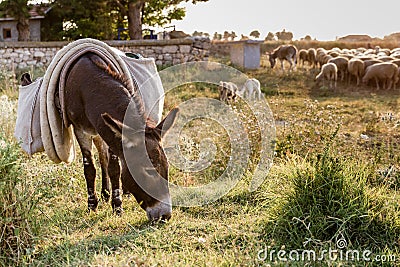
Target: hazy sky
(324,20)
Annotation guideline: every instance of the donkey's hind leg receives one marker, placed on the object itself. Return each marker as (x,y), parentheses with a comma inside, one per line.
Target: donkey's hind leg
(114,170)
(85,143)
(102,148)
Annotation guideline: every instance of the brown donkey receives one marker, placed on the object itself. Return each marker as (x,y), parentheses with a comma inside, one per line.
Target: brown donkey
(98,102)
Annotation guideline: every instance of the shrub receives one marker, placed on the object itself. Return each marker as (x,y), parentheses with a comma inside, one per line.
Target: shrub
(8,82)
(330,200)
(16,207)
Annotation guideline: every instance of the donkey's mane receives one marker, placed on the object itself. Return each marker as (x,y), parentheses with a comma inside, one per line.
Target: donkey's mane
(121,78)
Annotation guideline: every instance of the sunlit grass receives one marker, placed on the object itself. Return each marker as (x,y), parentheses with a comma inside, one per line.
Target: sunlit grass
(363,163)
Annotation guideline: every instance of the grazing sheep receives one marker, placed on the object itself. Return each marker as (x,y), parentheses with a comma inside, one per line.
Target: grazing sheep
(356,68)
(251,89)
(322,59)
(321,52)
(395,55)
(385,72)
(227,91)
(312,57)
(371,62)
(397,62)
(303,56)
(386,58)
(394,50)
(284,52)
(329,73)
(365,57)
(333,53)
(341,63)
(384,51)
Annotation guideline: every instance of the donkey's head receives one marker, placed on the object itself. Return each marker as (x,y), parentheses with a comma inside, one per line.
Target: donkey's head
(144,165)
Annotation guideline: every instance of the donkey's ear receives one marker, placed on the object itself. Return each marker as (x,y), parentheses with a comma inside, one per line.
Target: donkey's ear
(132,138)
(167,122)
(115,125)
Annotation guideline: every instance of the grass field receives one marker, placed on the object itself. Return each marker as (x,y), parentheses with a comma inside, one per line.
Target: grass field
(334,185)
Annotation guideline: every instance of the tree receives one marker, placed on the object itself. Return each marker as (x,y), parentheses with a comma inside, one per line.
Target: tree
(82,19)
(150,12)
(217,36)
(256,34)
(226,35)
(18,9)
(243,37)
(270,37)
(196,33)
(233,35)
(284,35)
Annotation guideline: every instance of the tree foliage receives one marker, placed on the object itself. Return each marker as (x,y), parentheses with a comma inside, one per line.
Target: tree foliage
(74,19)
(229,35)
(18,9)
(256,34)
(150,13)
(217,36)
(90,18)
(284,35)
(270,37)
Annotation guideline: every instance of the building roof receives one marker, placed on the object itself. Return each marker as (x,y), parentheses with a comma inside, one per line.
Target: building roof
(36,12)
(356,37)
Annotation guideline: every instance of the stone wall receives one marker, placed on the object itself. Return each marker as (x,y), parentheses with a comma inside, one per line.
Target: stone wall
(220,48)
(21,55)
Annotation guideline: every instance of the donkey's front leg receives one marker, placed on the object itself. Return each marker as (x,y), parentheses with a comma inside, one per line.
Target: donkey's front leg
(114,171)
(85,143)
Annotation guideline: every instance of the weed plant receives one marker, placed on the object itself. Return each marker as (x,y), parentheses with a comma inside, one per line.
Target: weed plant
(17,221)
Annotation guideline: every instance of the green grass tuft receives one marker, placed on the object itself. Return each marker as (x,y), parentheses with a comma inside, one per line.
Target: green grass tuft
(330,199)
(17,208)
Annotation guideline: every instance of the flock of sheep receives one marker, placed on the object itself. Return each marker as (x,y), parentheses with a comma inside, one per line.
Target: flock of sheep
(359,65)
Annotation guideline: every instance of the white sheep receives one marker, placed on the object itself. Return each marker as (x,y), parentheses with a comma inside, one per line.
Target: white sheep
(303,56)
(312,57)
(341,63)
(356,68)
(322,59)
(386,58)
(329,73)
(227,91)
(370,62)
(251,89)
(385,72)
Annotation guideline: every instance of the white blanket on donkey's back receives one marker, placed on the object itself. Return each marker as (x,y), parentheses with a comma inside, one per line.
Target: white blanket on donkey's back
(56,138)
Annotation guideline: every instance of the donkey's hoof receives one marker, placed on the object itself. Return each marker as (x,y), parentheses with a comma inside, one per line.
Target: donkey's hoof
(92,203)
(105,195)
(118,211)
(92,208)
